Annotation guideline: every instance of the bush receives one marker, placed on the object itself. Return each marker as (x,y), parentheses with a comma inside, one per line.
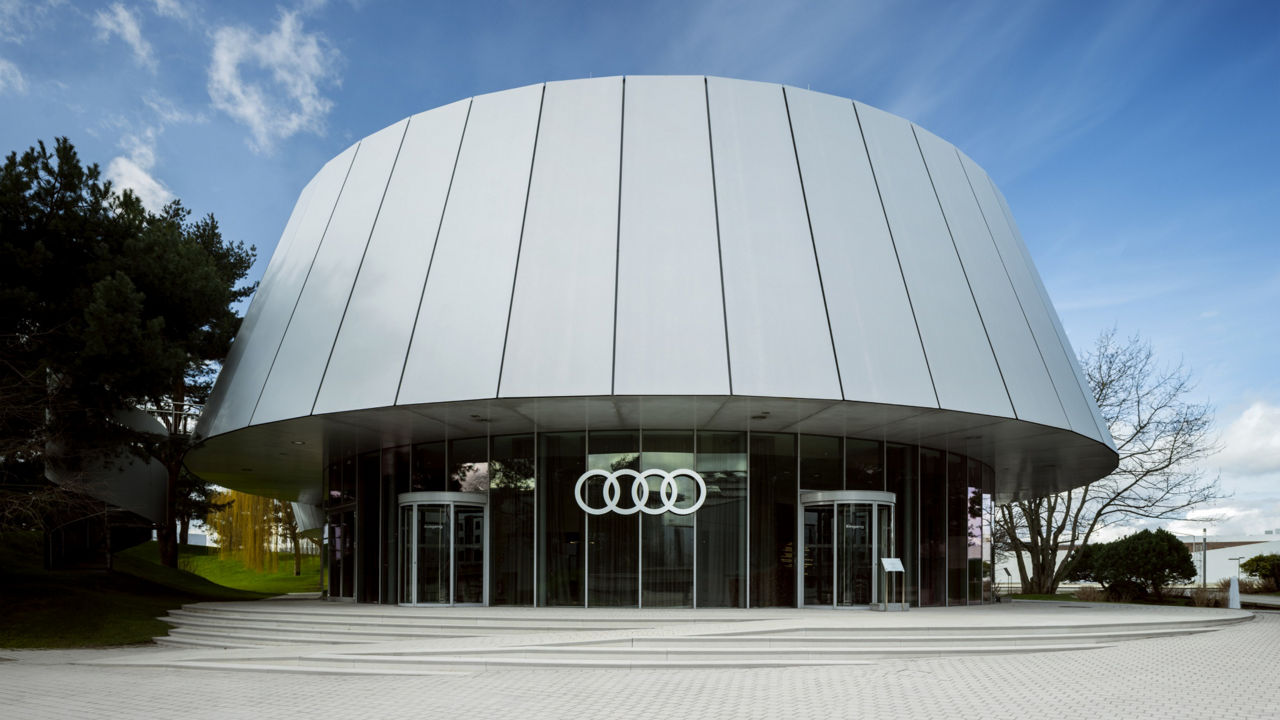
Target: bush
(1133,566)
(1090,594)
(1201,597)
(1263,567)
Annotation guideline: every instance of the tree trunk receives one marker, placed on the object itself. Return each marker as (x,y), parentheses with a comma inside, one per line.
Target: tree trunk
(297,551)
(166,532)
(184,529)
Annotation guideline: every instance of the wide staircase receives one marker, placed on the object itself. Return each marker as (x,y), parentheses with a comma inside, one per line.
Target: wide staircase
(315,636)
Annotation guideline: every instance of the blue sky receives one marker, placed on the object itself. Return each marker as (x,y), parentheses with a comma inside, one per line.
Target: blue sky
(1136,141)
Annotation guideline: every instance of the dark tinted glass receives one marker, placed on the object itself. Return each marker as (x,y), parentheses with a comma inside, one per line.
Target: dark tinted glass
(428,469)
(821,463)
(511,520)
(933,528)
(957,529)
(613,553)
(819,555)
(902,479)
(722,520)
(773,520)
(561,459)
(864,464)
(666,577)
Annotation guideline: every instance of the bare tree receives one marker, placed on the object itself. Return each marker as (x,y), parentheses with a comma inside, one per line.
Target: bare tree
(1160,435)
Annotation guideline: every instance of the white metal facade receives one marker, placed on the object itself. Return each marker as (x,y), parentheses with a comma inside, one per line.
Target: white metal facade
(635,250)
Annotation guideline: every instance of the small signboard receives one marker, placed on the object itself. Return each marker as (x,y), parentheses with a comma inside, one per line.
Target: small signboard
(892,564)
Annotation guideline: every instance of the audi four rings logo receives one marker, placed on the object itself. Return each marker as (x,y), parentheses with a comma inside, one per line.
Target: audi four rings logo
(667,490)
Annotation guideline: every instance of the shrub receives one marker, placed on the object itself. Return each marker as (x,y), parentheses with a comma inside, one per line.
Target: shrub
(1141,563)
(1125,591)
(1090,594)
(1263,567)
(1201,597)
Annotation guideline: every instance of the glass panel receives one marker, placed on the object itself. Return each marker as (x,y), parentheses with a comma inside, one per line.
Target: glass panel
(903,481)
(395,473)
(511,511)
(864,465)
(988,538)
(819,558)
(406,554)
(666,556)
(613,555)
(368,526)
(933,528)
(854,554)
(348,487)
(957,529)
(773,520)
(884,548)
(468,554)
(722,520)
(821,463)
(348,550)
(974,532)
(561,460)
(469,465)
(428,473)
(433,554)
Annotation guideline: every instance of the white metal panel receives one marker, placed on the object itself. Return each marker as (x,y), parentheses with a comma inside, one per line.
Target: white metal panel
(1103,433)
(670,332)
(877,344)
(1022,276)
(1021,366)
(456,350)
(299,366)
(212,419)
(963,366)
(279,303)
(560,337)
(779,339)
(371,346)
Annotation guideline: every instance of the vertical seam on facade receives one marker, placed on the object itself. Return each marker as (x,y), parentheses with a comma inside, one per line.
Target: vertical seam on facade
(351,293)
(813,242)
(1014,290)
(963,273)
(524,216)
(303,289)
(436,243)
(906,288)
(715,202)
(617,248)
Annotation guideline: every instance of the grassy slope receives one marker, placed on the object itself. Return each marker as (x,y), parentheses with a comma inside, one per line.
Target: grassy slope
(228,572)
(39,608)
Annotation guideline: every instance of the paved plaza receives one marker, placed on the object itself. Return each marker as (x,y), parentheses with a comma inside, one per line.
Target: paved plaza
(1229,673)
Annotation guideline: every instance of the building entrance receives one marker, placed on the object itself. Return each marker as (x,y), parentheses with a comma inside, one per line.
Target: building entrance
(442,553)
(845,535)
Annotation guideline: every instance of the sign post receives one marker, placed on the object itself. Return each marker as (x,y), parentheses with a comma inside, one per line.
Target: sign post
(891,569)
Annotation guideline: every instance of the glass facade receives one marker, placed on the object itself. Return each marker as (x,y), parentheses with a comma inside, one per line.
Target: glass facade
(495,520)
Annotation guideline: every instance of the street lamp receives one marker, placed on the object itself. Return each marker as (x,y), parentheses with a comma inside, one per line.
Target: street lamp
(1237,559)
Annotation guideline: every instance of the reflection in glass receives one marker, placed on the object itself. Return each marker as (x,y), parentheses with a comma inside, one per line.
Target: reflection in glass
(613,560)
(957,529)
(561,460)
(884,543)
(468,554)
(722,520)
(666,561)
(427,473)
(773,520)
(469,465)
(406,554)
(864,465)
(819,555)
(974,532)
(511,513)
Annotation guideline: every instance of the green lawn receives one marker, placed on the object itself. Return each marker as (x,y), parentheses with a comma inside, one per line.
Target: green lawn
(92,608)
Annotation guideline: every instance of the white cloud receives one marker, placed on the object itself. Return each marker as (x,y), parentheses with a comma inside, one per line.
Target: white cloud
(170,114)
(172,9)
(1251,443)
(20,18)
(133,170)
(119,20)
(271,82)
(11,78)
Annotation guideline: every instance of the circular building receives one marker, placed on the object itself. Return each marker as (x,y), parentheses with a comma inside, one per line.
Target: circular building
(653,341)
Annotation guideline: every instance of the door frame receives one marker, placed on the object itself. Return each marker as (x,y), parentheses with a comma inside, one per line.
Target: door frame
(450,500)
(835,498)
